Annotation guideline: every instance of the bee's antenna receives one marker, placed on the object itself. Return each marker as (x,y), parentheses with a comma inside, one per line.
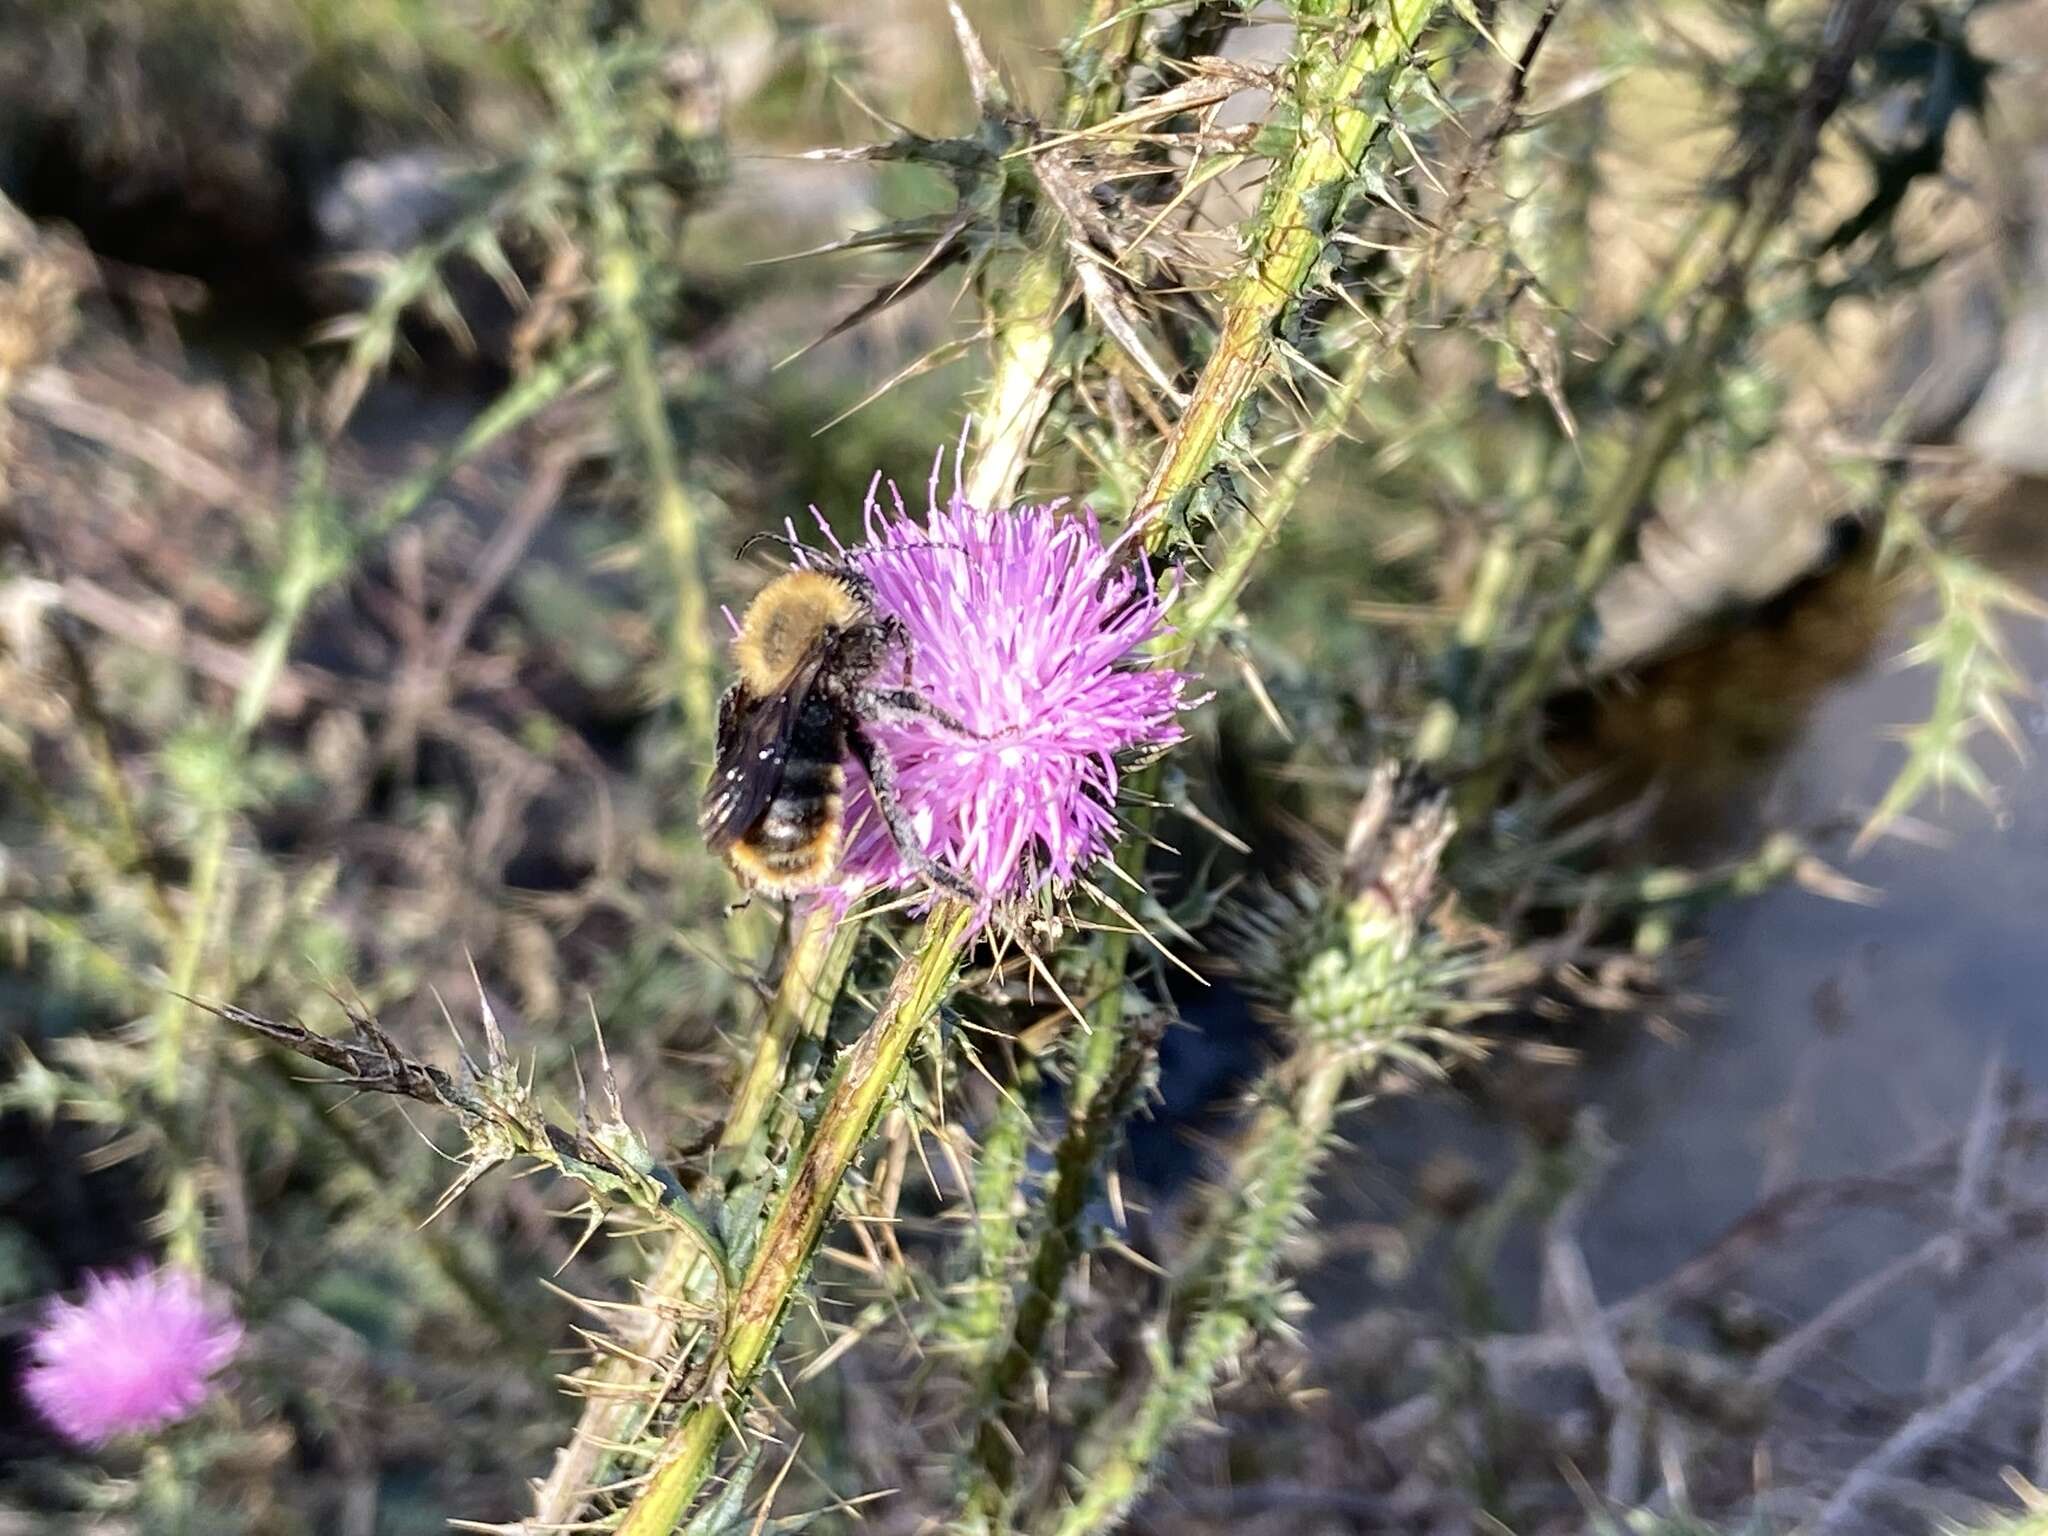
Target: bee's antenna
(792,545)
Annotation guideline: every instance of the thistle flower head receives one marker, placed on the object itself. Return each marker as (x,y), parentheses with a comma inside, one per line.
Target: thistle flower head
(137,1351)
(1019,627)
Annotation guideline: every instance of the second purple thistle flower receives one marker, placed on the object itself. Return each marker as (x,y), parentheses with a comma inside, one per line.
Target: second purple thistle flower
(137,1351)
(1020,629)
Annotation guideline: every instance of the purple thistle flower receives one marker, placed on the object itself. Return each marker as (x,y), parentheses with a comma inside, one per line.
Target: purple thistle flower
(1019,628)
(137,1352)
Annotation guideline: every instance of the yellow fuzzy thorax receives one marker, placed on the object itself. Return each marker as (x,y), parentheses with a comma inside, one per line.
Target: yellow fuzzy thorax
(785,621)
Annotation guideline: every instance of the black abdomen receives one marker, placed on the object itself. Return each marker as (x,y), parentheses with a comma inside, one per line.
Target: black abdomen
(805,803)
(794,843)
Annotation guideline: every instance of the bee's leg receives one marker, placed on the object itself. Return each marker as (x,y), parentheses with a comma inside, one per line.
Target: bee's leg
(881,772)
(901,704)
(894,629)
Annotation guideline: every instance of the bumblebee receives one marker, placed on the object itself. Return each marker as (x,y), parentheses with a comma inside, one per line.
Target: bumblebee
(810,651)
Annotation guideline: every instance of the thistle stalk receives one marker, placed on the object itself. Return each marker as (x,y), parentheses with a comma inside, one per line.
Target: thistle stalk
(978,1311)
(610,1411)
(1025,320)
(313,558)
(1217,597)
(861,1084)
(1296,220)
(1091,1127)
(1342,94)
(1289,1138)
(1215,600)
(676,516)
(1366,997)
(1853,28)
(812,977)
(1028,300)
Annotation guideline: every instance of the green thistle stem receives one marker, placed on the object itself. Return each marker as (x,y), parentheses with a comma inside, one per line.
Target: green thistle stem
(1027,302)
(1024,312)
(1341,113)
(1216,599)
(811,978)
(190,945)
(1717,320)
(1269,1189)
(1093,1127)
(978,1312)
(310,563)
(1106,1056)
(1109,1053)
(676,516)
(609,1414)
(861,1083)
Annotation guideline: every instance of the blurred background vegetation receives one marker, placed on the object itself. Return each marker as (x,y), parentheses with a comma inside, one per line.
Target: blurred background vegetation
(383,387)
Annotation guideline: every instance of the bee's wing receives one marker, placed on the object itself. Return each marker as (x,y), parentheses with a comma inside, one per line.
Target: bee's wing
(753,744)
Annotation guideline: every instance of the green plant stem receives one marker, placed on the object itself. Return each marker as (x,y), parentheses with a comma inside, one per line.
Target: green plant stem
(1029,294)
(1716,320)
(676,516)
(210,857)
(819,955)
(186,950)
(558,375)
(1092,1126)
(1269,1188)
(1215,600)
(1024,317)
(861,1084)
(1340,114)
(1501,573)
(812,976)
(611,1409)
(307,569)
(977,1309)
